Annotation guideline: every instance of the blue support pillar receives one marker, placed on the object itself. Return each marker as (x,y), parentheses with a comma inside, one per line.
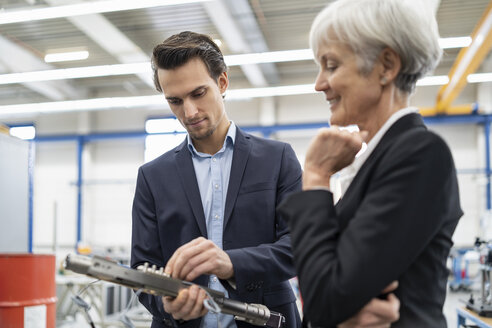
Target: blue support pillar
(487,159)
(80,149)
(30,178)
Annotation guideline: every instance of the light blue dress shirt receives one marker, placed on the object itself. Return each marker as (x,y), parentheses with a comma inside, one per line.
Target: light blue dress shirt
(212,174)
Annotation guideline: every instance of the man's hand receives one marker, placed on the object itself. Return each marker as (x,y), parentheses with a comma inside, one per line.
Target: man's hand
(199,256)
(330,151)
(187,305)
(377,313)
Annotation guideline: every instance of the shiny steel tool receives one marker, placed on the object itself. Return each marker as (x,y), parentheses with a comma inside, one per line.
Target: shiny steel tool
(154,281)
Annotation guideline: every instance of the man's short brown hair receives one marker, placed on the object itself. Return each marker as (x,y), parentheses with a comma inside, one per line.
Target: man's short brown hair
(178,49)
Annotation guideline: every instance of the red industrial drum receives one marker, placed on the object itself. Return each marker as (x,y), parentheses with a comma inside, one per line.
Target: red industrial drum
(27,291)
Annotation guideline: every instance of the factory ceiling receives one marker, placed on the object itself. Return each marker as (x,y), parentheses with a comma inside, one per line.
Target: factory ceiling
(127,36)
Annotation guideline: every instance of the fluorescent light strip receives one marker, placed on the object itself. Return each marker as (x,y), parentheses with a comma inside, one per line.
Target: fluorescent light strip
(138,68)
(479,77)
(66,56)
(468,56)
(76,73)
(92,7)
(158,100)
(129,102)
(433,80)
(455,42)
(269,57)
(83,105)
(444,79)
(241,94)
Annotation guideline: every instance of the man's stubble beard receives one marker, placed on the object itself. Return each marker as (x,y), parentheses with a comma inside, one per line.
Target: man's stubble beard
(209,131)
(206,134)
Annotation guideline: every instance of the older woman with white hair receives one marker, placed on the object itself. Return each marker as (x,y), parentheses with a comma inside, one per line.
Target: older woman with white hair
(400,203)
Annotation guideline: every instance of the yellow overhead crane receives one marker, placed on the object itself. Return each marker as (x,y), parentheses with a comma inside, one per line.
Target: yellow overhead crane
(4,129)
(467,62)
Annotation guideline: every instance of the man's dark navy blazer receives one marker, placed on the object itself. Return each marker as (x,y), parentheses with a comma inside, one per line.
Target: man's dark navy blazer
(167,213)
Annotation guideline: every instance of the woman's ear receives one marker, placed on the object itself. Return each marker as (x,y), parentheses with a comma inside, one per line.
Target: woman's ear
(391,64)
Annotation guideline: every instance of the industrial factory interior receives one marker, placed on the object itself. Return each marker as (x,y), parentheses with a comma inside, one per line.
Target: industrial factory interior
(83,130)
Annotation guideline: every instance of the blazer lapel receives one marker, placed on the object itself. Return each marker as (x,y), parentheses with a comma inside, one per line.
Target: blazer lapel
(242,147)
(400,127)
(186,171)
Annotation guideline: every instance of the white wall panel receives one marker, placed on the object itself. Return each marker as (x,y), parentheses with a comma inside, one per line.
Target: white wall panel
(14,188)
(109,186)
(55,177)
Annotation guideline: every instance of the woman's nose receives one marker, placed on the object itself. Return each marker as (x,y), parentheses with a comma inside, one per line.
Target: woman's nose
(321,83)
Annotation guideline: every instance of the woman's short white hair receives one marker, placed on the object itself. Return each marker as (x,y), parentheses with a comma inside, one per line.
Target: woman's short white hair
(368,26)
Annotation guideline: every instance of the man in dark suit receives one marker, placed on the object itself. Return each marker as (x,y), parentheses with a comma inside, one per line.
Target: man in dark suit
(206,210)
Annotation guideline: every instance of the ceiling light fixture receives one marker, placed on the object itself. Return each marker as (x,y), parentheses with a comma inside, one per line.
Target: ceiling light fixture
(269,57)
(91,7)
(138,68)
(479,77)
(76,73)
(82,105)
(287,90)
(433,80)
(66,56)
(158,100)
(455,42)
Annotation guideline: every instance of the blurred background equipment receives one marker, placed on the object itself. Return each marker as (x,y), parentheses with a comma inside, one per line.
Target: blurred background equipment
(483,304)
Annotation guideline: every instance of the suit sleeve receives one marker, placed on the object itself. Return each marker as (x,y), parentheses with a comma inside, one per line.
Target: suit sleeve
(146,243)
(403,208)
(267,264)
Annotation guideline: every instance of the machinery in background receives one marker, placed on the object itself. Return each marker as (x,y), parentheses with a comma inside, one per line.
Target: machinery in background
(483,305)
(460,262)
(107,304)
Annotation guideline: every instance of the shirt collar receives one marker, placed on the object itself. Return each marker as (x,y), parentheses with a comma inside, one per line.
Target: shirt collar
(230,137)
